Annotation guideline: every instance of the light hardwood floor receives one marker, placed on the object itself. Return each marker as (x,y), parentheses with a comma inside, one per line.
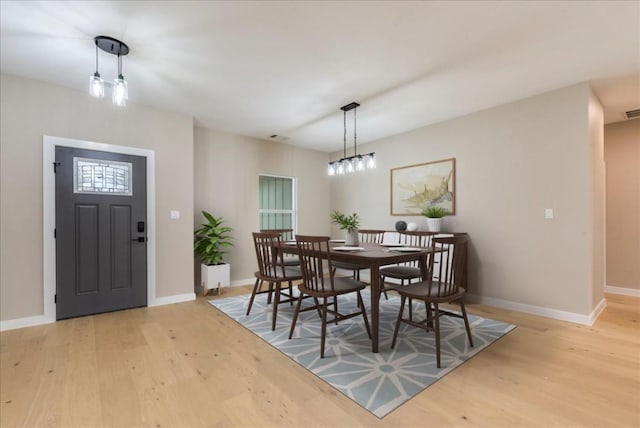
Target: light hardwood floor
(188,365)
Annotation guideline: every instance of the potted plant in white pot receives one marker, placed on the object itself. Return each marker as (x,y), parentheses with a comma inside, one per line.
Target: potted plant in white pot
(434,215)
(350,223)
(210,241)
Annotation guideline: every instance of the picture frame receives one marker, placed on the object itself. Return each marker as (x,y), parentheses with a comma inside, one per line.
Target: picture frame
(416,187)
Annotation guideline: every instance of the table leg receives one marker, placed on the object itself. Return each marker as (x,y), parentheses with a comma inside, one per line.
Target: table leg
(375,306)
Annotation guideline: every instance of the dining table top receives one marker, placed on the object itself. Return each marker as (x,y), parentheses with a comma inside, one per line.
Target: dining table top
(380,254)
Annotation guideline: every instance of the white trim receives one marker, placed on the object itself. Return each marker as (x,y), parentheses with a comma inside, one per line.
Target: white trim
(23,322)
(242,282)
(49,144)
(294,201)
(41,319)
(542,311)
(634,292)
(176,298)
(595,313)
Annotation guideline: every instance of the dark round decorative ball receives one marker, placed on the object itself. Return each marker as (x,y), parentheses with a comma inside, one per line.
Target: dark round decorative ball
(401,225)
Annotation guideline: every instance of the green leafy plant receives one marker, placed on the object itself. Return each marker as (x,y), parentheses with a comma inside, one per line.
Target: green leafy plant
(435,212)
(350,223)
(211,238)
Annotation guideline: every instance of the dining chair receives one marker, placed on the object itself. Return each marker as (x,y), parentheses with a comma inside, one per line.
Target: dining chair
(373,236)
(287,235)
(325,289)
(443,285)
(405,271)
(271,269)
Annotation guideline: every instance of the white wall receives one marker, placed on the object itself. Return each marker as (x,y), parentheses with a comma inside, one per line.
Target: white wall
(596,143)
(226,184)
(31,109)
(512,162)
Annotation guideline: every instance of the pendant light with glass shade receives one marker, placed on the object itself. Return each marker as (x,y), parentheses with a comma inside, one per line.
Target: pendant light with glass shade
(355,163)
(120,87)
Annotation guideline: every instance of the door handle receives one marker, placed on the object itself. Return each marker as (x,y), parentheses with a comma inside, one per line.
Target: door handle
(140,239)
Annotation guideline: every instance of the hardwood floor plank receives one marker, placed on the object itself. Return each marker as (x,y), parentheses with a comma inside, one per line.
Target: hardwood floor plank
(189,365)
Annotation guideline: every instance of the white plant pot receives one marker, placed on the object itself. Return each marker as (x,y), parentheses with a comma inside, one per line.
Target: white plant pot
(215,276)
(352,238)
(434,224)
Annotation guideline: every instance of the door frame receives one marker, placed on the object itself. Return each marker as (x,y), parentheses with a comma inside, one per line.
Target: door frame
(49,144)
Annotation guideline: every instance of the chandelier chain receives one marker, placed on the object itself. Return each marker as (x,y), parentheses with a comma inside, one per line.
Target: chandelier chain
(345,134)
(355,151)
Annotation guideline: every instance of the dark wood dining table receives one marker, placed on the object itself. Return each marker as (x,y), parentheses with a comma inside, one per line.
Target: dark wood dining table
(373,256)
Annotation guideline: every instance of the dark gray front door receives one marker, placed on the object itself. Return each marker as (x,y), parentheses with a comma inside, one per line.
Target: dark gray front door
(101,229)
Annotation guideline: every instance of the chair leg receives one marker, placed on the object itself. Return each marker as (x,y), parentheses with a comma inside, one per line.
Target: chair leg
(437,322)
(253,295)
(324,326)
(335,307)
(410,309)
(315,299)
(295,315)
(290,293)
(466,322)
(276,301)
(382,288)
(270,292)
(364,314)
(398,321)
(429,314)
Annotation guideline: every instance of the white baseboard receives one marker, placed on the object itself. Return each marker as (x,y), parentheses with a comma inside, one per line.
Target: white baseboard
(176,298)
(242,282)
(542,311)
(634,292)
(41,319)
(595,313)
(23,322)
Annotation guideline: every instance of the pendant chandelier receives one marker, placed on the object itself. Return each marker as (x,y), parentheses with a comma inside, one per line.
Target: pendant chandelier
(120,87)
(349,164)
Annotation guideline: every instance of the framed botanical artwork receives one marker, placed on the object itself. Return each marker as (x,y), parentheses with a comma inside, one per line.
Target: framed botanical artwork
(416,187)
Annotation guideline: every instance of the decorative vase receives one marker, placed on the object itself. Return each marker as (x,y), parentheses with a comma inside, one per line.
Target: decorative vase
(434,224)
(401,225)
(352,238)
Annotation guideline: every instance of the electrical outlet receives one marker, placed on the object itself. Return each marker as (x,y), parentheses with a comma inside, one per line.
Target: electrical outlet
(174,215)
(548,213)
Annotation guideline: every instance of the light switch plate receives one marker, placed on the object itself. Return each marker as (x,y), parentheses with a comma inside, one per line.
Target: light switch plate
(174,215)
(548,213)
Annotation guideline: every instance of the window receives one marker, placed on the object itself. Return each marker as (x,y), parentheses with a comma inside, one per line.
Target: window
(276,202)
(100,176)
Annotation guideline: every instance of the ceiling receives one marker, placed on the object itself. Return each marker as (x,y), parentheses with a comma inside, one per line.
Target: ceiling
(286,68)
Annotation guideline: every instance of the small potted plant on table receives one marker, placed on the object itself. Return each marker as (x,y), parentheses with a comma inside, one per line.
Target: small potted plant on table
(210,241)
(350,223)
(434,215)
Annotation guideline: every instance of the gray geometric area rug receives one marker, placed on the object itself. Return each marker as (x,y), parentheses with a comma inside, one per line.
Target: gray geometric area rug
(378,382)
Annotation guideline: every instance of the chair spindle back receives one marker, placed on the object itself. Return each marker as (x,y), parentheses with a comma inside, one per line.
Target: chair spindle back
(310,254)
(286,234)
(270,262)
(446,275)
(372,236)
(416,238)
